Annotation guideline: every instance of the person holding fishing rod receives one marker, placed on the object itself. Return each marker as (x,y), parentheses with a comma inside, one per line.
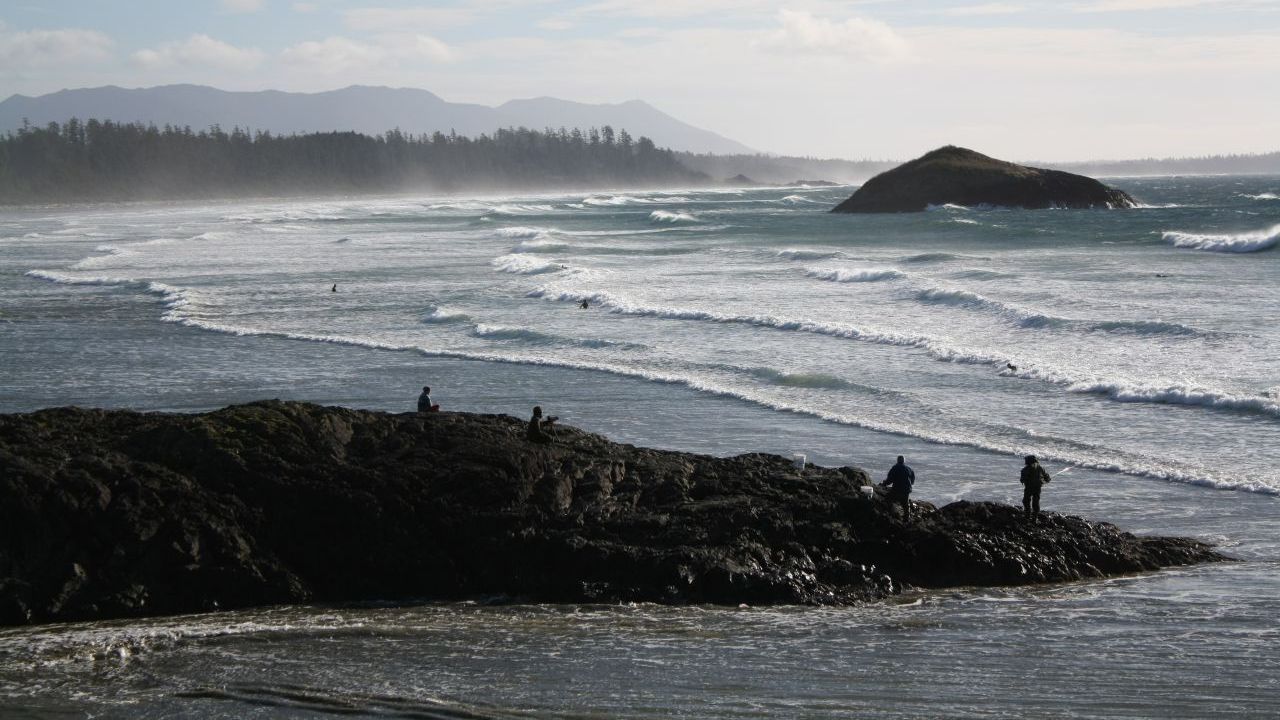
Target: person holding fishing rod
(1033,478)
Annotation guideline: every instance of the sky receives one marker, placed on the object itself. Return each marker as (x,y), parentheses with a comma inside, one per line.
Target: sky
(878,79)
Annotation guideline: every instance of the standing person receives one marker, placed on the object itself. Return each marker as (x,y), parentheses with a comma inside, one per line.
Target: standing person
(1033,477)
(900,480)
(424,401)
(538,427)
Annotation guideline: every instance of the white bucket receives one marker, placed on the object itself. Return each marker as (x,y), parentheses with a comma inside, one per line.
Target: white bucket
(797,459)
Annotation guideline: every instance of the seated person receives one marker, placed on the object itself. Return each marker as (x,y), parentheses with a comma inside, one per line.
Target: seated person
(424,401)
(538,426)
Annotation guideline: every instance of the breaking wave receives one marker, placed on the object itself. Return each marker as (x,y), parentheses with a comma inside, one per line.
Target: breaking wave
(525,265)
(671,217)
(852,275)
(1262,196)
(802,254)
(1239,243)
(436,314)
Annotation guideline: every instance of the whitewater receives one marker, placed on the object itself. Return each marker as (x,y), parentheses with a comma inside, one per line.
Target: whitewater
(1139,347)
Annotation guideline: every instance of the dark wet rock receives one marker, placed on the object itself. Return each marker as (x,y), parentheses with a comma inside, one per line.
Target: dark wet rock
(116,513)
(958,176)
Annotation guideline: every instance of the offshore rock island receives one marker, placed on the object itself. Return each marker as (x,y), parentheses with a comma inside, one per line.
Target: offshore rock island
(959,176)
(119,513)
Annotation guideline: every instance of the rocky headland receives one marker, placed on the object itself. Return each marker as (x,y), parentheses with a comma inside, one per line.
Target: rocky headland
(118,513)
(959,176)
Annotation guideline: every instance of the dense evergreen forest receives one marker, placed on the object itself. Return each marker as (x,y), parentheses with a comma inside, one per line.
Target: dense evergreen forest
(104,160)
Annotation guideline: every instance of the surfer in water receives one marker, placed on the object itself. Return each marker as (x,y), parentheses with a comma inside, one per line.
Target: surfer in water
(584,304)
(335,288)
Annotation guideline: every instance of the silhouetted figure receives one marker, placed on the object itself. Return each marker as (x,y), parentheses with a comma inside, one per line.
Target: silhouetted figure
(1033,477)
(900,480)
(335,288)
(424,402)
(539,427)
(584,304)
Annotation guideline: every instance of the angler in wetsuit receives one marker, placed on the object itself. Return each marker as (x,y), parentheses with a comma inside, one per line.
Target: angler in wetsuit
(1033,477)
(900,480)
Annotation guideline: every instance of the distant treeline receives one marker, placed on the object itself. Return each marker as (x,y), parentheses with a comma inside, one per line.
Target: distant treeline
(1261,164)
(104,160)
(782,169)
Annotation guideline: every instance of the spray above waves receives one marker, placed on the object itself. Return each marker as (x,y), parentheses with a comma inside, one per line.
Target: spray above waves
(1245,242)
(854,275)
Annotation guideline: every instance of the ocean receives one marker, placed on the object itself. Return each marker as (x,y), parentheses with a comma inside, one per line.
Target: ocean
(1138,348)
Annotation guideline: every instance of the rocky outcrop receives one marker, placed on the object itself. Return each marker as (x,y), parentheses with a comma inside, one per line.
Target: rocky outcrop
(958,176)
(116,513)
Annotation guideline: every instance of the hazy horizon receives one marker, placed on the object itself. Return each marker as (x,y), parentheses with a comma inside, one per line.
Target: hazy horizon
(1057,82)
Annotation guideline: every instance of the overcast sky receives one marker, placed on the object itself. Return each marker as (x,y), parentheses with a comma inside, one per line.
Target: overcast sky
(1074,79)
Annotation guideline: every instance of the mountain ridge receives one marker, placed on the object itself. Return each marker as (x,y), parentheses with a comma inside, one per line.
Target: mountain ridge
(370,109)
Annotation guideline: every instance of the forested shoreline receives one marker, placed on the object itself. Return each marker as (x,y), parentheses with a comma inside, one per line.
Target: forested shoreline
(85,161)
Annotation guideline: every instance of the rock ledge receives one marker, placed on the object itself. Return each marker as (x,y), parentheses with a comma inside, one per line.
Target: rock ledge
(117,513)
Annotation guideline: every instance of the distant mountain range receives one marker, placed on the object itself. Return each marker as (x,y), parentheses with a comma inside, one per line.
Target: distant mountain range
(364,109)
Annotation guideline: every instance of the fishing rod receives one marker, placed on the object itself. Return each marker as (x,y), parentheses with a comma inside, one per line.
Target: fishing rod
(1063,470)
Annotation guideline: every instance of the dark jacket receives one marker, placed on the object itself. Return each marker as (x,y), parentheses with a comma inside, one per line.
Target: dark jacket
(1033,476)
(424,403)
(900,479)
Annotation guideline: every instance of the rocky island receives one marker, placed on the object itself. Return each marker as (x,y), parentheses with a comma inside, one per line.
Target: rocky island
(959,176)
(119,513)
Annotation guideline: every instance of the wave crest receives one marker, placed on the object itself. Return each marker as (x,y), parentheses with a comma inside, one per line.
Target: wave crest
(671,217)
(852,275)
(1238,243)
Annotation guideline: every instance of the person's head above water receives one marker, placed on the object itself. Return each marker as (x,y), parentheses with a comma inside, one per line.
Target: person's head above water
(1030,459)
(901,460)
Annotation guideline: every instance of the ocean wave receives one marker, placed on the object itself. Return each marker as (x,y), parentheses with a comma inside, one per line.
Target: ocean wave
(1238,243)
(957,297)
(798,199)
(1261,196)
(671,217)
(500,332)
(852,275)
(616,200)
(521,231)
(803,254)
(980,274)
(539,245)
(525,265)
(436,315)
(930,257)
(1179,394)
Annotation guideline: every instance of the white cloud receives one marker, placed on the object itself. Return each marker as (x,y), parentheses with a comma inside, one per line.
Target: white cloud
(338,54)
(377,19)
(305,7)
(986,9)
(199,51)
(801,32)
(242,6)
(334,54)
(554,24)
(1109,6)
(45,48)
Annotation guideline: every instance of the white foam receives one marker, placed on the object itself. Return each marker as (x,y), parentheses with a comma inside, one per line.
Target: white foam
(521,231)
(671,217)
(615,200)
(947,206)
(1238,243)
(441,315)
(525,265)
(854,275)
(1262,196)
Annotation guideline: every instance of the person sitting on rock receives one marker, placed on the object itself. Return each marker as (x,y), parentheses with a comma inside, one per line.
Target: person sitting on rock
(539,427)
(424,401)
(900,480)
(1033,477)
